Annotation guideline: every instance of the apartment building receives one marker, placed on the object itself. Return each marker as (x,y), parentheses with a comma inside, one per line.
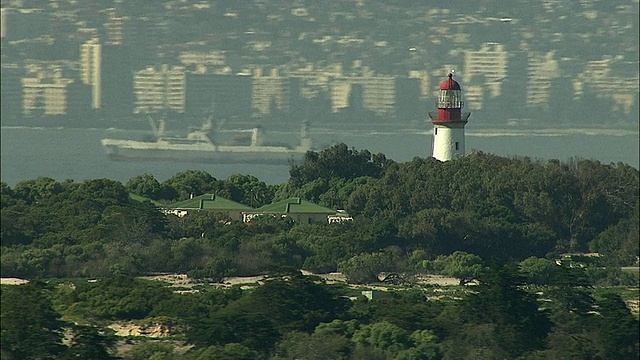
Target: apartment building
(623,92)
(159,89)
(202,59)
(91,69)
(488,63)
(4,20)
(114,27)
(542,69)
(44,93)
(269,92)
(362,88)
(375,93)
(314,81)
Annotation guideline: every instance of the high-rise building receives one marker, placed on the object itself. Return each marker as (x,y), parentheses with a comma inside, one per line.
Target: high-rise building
(376,93)
(114,27)
(543,68)
(44,94)
(490,64)
(4,17)
(159,90)
(269,93)
(91,69)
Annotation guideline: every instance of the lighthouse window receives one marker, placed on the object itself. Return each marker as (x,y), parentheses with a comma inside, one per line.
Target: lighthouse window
(457,145)
(436,131)
(450,98)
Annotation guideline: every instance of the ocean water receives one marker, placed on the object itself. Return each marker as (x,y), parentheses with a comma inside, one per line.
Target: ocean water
(60,153)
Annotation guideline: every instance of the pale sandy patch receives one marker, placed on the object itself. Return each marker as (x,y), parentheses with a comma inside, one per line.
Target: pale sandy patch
(12,281)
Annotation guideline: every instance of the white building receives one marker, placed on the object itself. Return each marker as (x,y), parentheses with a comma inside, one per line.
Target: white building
(91,69)
(490,62)
(161,89)
(543,68)
(44,93)
(269,91)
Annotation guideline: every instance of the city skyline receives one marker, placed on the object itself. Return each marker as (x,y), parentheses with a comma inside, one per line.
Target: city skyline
(136,59)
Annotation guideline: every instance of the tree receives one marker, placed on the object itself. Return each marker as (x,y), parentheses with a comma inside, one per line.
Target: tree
(337,161)
(192,182)
(619,244)
(317,346)
(326,250)
(509,313)
(147,186)
(7,196)
(19,226)
(461,265)
(425,347)
(31,329)
(537,270)
(364,268)
(408,309)
(247,189)
(88,343)
(119,298)
(618,330)
(215,270)
(340,327)
(383,335)
(297,304)
(101,192)
(252,329)
(151,350)
(33,190)
(570,290)
(231,351)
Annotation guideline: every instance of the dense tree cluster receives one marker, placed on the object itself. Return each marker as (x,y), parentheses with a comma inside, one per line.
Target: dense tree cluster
(489,206)
(472,219)
(300,317)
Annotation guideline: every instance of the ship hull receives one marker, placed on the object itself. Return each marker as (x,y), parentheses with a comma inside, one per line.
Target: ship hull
(205,156)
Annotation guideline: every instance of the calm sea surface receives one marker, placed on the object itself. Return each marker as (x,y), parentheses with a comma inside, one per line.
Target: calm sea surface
(28,153)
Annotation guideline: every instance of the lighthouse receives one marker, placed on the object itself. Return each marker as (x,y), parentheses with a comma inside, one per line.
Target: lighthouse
(449,121)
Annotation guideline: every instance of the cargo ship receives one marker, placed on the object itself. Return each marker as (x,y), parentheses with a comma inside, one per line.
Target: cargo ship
(199,146)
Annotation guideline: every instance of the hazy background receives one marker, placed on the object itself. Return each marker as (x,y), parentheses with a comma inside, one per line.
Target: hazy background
(545,79)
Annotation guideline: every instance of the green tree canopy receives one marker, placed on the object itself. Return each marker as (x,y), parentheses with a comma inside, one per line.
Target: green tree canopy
(31,329)
(147,186)
(511,314)
(247,189)
(192,182)
(365,267)
(461,265)
(337,161)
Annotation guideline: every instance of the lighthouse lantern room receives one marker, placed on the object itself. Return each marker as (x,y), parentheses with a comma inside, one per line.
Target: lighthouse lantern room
(449,121)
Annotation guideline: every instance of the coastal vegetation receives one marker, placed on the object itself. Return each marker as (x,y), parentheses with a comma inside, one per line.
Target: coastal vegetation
(508,229)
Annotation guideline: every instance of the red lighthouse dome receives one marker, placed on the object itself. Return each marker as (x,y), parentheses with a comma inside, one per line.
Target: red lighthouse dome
(450,84)
(449,102)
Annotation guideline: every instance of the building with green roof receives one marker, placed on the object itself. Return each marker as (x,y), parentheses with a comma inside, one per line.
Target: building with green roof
(208,202)
(301,211)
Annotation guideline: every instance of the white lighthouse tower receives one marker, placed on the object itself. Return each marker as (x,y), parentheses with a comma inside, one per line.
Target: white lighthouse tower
(449,122)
